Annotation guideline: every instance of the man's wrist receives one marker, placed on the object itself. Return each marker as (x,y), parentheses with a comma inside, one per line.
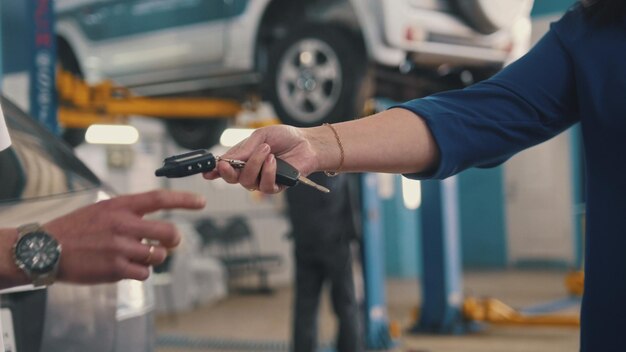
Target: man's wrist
(10,274)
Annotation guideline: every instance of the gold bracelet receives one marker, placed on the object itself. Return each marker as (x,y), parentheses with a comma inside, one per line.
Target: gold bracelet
(341,152)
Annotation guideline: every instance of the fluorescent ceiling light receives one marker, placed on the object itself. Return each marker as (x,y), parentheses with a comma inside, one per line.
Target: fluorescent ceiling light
(112,134)
(411,193)
(232,136)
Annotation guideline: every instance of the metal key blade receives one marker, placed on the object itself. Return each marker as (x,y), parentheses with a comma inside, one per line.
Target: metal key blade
(237,164)
(310,183)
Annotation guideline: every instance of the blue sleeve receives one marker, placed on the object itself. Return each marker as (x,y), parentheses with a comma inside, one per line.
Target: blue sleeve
(528,102)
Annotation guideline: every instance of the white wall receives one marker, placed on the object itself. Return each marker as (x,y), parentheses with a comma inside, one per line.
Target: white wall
(538,196)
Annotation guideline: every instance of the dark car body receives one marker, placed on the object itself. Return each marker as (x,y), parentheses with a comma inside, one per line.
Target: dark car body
(40,179)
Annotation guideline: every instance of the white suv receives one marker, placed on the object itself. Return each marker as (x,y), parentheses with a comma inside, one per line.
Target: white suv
(313,60)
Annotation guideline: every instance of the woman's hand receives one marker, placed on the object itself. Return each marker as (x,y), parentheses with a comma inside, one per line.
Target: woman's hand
(260,150)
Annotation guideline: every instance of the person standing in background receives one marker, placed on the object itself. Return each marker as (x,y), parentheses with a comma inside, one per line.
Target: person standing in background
(324,229)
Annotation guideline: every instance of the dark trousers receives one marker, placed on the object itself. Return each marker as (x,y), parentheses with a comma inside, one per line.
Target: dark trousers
(313,269)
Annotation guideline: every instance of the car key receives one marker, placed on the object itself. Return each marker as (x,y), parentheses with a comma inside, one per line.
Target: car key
(187,164)
(286,174)
(200,161)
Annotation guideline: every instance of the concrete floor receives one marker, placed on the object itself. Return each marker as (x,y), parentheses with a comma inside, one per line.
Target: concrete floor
(267,317)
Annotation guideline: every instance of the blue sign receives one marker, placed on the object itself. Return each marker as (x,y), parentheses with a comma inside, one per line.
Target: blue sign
(43,97)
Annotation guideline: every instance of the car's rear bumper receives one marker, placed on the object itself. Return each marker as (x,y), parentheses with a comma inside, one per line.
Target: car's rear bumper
(433,37)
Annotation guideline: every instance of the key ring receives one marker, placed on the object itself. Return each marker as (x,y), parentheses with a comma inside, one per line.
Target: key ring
(237,164)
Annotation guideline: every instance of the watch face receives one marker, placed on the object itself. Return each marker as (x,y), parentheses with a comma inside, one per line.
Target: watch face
(38,252)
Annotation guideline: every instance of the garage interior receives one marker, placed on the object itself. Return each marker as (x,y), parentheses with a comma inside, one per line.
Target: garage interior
(503,258)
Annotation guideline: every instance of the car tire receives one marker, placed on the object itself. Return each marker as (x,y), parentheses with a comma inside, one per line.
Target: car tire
(196,133)
(317,74)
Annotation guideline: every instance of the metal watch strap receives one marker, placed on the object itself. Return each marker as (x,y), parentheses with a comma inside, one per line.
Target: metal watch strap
(27,228)
(45,279)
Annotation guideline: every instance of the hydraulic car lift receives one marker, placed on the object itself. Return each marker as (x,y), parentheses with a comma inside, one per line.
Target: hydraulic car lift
(81,105)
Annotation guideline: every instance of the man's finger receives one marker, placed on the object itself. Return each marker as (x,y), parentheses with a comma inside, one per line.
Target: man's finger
(149,202)
(164,232)
(144,254)
(135,271)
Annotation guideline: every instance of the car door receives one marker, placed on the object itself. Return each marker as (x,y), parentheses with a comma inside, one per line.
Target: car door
(42,179)
(147,41)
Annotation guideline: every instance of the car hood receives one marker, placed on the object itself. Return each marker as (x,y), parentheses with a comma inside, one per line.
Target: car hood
(44,209)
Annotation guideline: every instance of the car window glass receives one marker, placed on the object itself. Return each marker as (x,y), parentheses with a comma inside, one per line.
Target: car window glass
(37,164)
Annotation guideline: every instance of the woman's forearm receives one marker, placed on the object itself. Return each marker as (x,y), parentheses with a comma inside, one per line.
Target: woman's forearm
(395,141)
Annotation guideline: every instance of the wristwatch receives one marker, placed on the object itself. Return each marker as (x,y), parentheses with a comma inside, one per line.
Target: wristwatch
(37,253)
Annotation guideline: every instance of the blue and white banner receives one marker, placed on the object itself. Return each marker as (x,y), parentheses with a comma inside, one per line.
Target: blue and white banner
(43,97)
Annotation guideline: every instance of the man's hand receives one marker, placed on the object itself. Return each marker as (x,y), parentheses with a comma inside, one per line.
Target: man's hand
(103,242)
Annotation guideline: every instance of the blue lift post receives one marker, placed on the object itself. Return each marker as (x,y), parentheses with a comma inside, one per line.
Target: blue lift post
(402,233)
(578,198)
(442,283)
(43,96)
(376,319)
(442,288)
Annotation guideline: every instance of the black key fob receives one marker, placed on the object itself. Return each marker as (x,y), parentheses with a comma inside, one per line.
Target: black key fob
(187,164)
(286,174)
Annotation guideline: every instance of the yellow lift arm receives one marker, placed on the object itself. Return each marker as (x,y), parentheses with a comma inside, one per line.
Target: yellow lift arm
(497,312)
(575,282)
(82,105)
(494,311)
